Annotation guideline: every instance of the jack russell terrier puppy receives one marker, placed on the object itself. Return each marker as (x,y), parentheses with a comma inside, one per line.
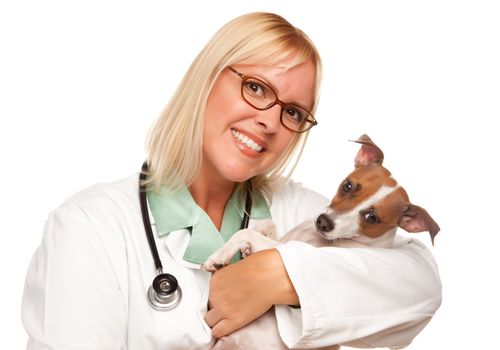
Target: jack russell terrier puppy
(366,211)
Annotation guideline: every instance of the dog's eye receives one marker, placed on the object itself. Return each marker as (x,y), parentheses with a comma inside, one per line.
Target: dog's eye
(371,217)
(347,187)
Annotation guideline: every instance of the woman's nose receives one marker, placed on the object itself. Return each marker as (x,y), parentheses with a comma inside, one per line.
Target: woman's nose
(270,119)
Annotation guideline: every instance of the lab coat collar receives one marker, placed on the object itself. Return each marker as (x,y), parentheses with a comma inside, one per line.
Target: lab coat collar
(177,210)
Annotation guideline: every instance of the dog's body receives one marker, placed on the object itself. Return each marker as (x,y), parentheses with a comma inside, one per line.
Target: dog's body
(366,211)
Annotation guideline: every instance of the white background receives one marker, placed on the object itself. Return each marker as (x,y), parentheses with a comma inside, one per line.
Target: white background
(81,82)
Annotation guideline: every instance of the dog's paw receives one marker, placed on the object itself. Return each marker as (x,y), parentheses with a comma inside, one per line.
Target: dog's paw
(214,262)
(246,251)
(211,266)
(220,258)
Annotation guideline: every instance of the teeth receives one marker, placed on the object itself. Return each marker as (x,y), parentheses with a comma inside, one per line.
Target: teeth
(249,142)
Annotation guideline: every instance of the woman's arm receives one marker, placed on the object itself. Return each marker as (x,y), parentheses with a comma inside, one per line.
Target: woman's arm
(355,297)
(369,297)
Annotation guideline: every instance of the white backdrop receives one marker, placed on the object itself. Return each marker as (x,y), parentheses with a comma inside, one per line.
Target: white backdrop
(81,82)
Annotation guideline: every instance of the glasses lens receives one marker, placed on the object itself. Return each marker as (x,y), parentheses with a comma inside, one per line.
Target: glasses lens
(296,118)
(261,96)
(258,93)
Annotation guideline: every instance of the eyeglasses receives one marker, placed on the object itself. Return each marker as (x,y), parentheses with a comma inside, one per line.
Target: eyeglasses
(261,96)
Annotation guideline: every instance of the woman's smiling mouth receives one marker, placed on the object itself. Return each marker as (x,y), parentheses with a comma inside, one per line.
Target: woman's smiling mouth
(246,140)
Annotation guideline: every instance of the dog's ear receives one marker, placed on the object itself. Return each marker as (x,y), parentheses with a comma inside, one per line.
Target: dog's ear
(416,219)
(369,153)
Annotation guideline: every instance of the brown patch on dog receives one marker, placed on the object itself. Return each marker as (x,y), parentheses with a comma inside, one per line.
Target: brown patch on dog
(388,210)
(372,177)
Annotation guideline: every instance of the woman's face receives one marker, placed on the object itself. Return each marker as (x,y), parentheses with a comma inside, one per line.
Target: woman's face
(240,141)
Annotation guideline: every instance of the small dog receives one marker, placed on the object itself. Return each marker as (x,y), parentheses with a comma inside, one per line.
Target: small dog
(366,211)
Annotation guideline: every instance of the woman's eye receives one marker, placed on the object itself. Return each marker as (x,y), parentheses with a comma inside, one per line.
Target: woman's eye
(371,217)
(294,114)
(255,88)
(347,187)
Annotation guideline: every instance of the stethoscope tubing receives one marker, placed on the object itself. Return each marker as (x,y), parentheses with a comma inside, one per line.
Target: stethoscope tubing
(165,293)
(146,221)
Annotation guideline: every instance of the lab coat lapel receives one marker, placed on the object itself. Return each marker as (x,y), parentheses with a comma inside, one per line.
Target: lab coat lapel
(177,243)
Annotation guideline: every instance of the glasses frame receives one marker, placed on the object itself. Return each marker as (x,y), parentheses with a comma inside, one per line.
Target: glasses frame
(310,118)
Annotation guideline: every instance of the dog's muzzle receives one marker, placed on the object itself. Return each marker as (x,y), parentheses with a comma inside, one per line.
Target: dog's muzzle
(324,224)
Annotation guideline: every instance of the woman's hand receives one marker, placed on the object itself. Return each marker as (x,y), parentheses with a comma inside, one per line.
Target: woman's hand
(241,292)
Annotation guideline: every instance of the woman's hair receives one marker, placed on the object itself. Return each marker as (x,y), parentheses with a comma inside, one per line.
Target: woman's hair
(174,143)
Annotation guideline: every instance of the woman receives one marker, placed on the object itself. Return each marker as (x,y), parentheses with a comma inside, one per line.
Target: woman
(226,124)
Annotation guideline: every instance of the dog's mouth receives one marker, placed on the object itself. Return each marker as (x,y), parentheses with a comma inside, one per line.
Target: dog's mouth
(323,235)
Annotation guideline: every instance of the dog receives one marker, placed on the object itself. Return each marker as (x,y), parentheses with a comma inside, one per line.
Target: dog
(366,211)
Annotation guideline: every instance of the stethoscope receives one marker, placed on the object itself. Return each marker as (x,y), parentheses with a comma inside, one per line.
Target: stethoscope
(165,293)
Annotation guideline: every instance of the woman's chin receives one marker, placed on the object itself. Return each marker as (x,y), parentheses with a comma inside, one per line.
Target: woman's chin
(239,177)
(238,174)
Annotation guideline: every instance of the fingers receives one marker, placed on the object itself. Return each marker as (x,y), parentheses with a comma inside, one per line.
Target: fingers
(222,329)
(220,326)
(212,317)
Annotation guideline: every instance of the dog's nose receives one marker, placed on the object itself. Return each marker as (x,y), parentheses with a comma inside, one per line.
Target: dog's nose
(324,223)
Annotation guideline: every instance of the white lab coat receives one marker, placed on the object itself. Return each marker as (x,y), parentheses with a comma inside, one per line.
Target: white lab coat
(86,285)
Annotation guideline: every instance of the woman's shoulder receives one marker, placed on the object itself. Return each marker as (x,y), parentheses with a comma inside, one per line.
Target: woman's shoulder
(107,194)
(102,205)
(103,209)
(296,190)
(293,203)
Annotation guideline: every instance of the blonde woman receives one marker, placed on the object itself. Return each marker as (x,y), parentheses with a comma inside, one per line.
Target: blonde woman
(238,120)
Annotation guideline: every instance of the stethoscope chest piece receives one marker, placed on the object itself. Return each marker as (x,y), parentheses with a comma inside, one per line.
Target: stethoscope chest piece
(164,294)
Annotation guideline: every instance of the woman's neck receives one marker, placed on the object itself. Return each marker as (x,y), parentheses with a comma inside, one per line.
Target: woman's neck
(212,196)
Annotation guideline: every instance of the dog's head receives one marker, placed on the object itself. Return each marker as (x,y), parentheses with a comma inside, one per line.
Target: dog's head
(369,203)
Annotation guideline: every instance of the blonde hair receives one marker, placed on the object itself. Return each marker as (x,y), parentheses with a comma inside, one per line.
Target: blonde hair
(174,143)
